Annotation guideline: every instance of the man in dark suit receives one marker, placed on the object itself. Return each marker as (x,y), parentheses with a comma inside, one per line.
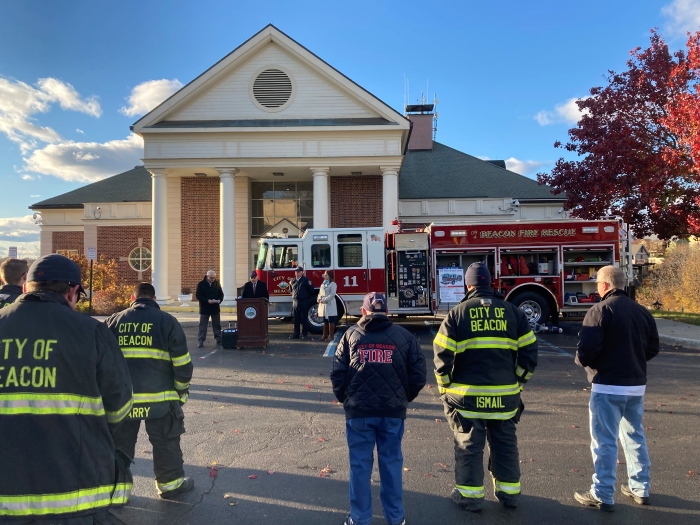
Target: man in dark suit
(209,295)
(302,297)
(255,288)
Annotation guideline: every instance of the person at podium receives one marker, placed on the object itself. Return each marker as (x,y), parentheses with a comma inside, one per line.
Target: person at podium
(255,288)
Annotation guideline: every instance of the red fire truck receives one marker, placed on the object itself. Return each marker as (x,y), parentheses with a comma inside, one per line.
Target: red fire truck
(547,268)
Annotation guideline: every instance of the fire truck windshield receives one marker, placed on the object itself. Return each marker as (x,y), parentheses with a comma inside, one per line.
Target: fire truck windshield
(262,255)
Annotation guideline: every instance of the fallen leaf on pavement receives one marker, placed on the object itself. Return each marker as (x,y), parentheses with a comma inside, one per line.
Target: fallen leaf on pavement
(438,420)
(430,386)
(327,469)
(574,426)
(440,465)
(308,386)
(431,475)
(270,471)
(146,451)
(281,381)
(232,503)
(407,469)
(214,422)
(691,473)
(574,470)
(252,476)
(650,428)
(227,496)
(322,439)
(219,432)
(237,431)
(213,473)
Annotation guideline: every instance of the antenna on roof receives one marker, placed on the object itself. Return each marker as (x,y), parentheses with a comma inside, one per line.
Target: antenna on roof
(435,116)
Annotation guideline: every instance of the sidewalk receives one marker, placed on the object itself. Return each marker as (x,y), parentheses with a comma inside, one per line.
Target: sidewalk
(678,334)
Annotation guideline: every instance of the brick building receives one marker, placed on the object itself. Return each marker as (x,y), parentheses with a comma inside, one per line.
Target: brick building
(272,138)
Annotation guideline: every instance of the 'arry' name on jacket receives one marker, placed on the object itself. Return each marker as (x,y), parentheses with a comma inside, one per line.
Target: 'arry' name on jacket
(375,353)
(482,318)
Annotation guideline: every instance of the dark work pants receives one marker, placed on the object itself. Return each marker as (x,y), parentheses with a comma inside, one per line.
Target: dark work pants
(164,434)
(204,323)
(470,436)
(300,311)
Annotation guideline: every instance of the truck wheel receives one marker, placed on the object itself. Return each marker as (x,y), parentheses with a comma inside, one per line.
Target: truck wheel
(315,322)
(534,306)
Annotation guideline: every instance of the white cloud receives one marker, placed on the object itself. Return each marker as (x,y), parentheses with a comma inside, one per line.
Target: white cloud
(524,167)
(19,101)
(35,196)
(27,177)
(18,229)
(148,95)
(80,131)
(566,112)
(86,161)
(683,16)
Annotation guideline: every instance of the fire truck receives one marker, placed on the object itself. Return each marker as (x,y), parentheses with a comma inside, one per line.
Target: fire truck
(546,268)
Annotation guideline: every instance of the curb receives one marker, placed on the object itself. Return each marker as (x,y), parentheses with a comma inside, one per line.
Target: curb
(680,341)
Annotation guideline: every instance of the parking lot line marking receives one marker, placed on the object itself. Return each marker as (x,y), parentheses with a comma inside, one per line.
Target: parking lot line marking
(330,349)
(210,353)
(555,350)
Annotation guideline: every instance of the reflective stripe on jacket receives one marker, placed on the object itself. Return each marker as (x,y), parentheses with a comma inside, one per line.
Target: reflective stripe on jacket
(484,350)
(155,349)
(64,384)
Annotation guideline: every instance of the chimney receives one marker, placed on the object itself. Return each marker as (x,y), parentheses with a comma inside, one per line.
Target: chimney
(421,116)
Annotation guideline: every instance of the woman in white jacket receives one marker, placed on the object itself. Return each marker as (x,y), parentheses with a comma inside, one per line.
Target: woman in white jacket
(326,305)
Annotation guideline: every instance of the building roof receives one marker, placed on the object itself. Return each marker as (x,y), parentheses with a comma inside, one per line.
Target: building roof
(446,173)
(131,186)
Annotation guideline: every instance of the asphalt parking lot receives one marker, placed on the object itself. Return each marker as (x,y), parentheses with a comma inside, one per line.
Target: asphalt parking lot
(262,425)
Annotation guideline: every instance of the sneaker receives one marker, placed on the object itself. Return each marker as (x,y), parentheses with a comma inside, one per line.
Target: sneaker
(305,337)
(187,485)
(294,336)
(586,498)
(349,521)
(471,506)
(639,500)
(200,344)
(403,522)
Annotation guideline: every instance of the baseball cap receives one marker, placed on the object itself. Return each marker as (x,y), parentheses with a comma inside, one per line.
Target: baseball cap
(374,302)
(299,269)
(253,274)
(477,275)
(55,267)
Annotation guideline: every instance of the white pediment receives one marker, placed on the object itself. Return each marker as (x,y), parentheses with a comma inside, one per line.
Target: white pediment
(313,97)
(224,92)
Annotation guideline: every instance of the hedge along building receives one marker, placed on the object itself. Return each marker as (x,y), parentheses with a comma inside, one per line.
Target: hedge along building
(272,138)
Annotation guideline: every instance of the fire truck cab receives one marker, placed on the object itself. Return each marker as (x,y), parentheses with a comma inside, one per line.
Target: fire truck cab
(546,268)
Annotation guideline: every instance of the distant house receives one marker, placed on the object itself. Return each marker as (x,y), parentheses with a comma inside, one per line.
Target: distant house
(640,254)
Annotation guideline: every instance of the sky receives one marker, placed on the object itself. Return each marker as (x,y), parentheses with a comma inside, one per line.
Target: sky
(75,75)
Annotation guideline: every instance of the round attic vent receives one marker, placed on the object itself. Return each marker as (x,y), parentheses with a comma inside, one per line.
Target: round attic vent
(273,89)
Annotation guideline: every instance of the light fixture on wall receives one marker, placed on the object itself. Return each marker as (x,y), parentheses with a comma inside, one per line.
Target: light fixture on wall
(37,217)
(97,213)
(514,203)
(278,174)
(200,174)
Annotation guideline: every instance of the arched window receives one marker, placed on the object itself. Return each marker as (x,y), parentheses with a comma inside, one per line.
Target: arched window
(140,259)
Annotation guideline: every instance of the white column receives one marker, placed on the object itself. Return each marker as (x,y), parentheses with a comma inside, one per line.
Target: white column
(159,234)
(227,234)
(321,197)
(390,196)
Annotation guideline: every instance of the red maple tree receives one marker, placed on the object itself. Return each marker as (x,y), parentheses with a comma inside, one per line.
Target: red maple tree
(634,164)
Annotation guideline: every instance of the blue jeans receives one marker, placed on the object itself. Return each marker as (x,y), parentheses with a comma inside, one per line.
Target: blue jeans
(614,416)
(362,434)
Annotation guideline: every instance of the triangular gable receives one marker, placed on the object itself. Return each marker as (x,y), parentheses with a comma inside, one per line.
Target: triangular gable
(268,45)
(278,229)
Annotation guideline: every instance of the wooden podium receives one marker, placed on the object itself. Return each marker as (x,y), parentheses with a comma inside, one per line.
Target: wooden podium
(252,322)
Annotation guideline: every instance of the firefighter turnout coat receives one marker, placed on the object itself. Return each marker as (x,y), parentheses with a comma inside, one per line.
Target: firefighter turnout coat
(155,349)
(64,385)
(484,350)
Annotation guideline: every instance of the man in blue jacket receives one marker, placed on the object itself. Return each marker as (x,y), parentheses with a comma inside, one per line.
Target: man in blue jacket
(378,368)
(617,339)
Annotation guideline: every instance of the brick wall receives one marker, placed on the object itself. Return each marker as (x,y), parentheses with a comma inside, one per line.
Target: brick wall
(116,242)
(67,241)
(200,229)
(356,201)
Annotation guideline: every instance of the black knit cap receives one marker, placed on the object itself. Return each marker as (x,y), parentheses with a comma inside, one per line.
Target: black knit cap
(55,267)
(477,275)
